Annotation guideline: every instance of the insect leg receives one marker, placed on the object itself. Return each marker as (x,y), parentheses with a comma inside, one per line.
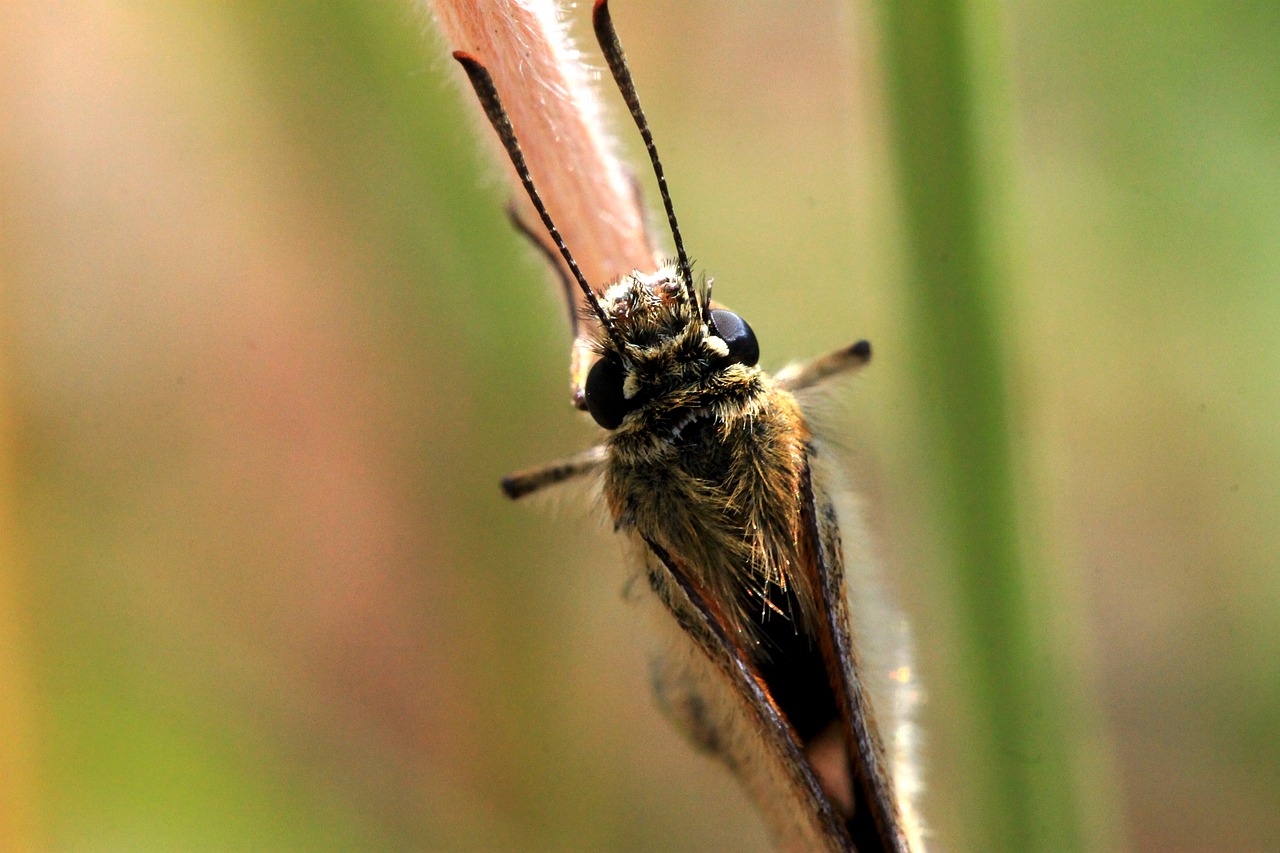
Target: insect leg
(526,482)
(552,258)
(816,371)
(487,93)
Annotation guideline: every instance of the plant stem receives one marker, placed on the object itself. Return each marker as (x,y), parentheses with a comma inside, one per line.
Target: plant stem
(551,101)
(943,59)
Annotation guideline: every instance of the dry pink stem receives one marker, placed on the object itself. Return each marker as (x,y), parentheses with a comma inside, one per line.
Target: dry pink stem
(544,85)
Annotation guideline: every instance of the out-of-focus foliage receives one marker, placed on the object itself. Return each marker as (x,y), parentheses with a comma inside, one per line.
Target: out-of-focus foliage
(268,344)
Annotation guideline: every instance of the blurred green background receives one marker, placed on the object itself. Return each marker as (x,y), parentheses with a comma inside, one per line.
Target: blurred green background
(268,344)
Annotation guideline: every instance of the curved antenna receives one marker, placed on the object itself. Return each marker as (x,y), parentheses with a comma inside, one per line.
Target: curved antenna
(487,93)
(602,21)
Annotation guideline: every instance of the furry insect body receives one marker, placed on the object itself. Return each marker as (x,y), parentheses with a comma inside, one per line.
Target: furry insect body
(709,464)
(710,472)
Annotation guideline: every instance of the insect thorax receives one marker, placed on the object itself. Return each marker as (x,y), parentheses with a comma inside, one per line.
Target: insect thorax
(675,364)
(709,463)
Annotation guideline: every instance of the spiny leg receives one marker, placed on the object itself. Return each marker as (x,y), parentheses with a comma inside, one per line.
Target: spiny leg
(816,371)
(526,482)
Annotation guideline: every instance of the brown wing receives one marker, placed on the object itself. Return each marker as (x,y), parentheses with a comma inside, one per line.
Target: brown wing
(768,757)
(875,823)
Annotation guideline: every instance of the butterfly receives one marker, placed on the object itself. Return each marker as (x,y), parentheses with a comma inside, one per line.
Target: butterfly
(713,477)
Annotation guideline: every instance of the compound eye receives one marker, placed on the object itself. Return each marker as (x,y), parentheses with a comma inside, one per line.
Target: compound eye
(743,346)
(605,400)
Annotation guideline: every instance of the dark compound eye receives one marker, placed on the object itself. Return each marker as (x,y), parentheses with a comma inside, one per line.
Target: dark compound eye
(605,400)
(743,346)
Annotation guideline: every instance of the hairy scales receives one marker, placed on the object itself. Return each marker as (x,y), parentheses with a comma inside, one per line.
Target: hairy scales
(710,467)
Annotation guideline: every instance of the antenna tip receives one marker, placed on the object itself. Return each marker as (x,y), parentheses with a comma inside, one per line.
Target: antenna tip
(862,350)
(513,488)
(465,58)
(598,5)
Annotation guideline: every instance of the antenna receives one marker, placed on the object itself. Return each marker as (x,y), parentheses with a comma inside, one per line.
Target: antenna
(487,93)
(602,21)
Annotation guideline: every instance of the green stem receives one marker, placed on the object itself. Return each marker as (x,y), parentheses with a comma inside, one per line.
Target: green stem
(942,58)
